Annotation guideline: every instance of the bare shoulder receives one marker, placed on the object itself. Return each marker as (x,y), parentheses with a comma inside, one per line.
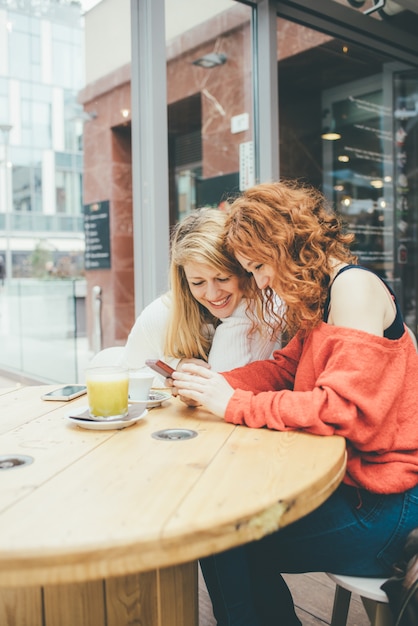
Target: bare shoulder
(359,299)
(356,278)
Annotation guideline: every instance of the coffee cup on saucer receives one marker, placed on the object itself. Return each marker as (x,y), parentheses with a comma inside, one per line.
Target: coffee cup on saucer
(140,383)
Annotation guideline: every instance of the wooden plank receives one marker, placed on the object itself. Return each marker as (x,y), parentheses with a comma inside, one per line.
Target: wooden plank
(117,479)
(48,439)
(132,600)
(67,605)
(21,607)
(24,404)
(91,476)
(178,595)
(285,476)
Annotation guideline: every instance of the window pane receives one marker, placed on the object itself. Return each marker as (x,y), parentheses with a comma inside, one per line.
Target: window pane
(342,110)
(210,116)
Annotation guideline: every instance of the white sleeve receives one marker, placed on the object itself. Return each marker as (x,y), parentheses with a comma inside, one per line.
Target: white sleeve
(234,346)
(146,339)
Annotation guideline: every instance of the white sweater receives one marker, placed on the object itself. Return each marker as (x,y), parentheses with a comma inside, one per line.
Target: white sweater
(232,345)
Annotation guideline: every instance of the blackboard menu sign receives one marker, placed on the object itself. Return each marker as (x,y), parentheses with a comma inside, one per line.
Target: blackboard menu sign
(97,234)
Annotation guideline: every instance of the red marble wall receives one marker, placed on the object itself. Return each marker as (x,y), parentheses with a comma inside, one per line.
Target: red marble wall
(108,176)
(293,39)
(225,91)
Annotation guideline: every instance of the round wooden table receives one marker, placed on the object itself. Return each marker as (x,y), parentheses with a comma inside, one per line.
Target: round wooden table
(106,527)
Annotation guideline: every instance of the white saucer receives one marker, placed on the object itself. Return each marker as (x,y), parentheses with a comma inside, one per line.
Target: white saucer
(155,398)
(132,418)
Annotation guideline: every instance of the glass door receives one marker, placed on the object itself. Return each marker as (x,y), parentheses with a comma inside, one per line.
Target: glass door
(347,125)
(405,147)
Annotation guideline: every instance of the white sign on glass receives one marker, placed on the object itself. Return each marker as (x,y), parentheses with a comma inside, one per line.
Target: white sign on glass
(246,165)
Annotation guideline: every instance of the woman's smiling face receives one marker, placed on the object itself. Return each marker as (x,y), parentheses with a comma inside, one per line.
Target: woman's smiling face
(219,292)
(263,273)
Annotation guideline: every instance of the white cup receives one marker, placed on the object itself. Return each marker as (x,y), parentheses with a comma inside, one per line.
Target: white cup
(140,383)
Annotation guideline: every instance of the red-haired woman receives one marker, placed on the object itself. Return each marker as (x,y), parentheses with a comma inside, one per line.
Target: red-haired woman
(350,368)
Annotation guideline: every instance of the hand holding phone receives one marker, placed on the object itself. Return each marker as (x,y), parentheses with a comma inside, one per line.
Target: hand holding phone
(63,394)
(160,367)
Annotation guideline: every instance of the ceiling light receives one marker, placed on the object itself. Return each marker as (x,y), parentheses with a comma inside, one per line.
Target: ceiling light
(210,60)
(330,135)
(377,183)
(329,132)
(343,158)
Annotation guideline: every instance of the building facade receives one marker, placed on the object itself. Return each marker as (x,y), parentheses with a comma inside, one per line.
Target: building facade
(41,124)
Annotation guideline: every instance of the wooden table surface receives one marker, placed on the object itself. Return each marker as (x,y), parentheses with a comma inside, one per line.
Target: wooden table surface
(136,512)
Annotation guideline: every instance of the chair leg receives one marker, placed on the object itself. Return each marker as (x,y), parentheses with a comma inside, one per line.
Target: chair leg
(378,613)
(341,604)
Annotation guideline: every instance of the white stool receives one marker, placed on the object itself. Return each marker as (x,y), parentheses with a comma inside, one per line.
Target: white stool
(374,599)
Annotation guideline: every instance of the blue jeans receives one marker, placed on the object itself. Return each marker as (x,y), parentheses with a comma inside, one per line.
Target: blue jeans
(354,532)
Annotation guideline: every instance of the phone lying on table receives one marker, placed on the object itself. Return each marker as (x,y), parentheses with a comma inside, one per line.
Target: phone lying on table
(160,367)
(68,392)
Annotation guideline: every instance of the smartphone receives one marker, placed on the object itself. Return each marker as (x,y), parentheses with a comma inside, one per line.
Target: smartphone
(68,392)
(160,367)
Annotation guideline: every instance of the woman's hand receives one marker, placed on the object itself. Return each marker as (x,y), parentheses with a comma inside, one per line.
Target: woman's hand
(200,384)
(174,391)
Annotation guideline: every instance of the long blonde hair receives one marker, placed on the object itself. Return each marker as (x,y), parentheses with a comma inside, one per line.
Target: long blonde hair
(289,226)
(199,238)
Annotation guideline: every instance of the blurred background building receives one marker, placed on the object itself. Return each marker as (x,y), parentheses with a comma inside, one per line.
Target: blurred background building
(41,124)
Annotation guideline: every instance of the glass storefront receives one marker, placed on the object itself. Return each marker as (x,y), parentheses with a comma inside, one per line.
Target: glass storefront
(405,168)
(347,124)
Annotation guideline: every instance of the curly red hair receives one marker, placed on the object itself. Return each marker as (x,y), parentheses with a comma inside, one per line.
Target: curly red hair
(290,227)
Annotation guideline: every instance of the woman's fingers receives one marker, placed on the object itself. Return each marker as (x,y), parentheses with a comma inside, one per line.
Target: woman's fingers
(188,369)
(204,387)
(189,401)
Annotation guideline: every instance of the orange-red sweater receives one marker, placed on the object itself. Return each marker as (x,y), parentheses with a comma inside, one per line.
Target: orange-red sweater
(340,381)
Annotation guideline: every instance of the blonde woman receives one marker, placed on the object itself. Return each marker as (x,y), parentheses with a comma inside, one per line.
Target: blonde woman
(211,313)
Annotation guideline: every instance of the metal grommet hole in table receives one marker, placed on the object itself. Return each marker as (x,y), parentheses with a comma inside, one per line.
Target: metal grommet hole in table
(174,434)
(12,461)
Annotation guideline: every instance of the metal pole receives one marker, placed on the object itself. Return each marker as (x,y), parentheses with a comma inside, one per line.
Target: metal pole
(149,151)
(266,91)
(6,128)
(96,301)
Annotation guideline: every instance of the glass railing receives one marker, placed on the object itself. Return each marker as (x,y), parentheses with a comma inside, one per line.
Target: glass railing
(37,222)
(43,330)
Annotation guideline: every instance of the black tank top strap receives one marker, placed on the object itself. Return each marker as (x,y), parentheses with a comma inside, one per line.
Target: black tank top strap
(396,329)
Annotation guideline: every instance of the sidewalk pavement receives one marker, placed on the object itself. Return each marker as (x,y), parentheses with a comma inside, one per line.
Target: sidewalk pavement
(7,381)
